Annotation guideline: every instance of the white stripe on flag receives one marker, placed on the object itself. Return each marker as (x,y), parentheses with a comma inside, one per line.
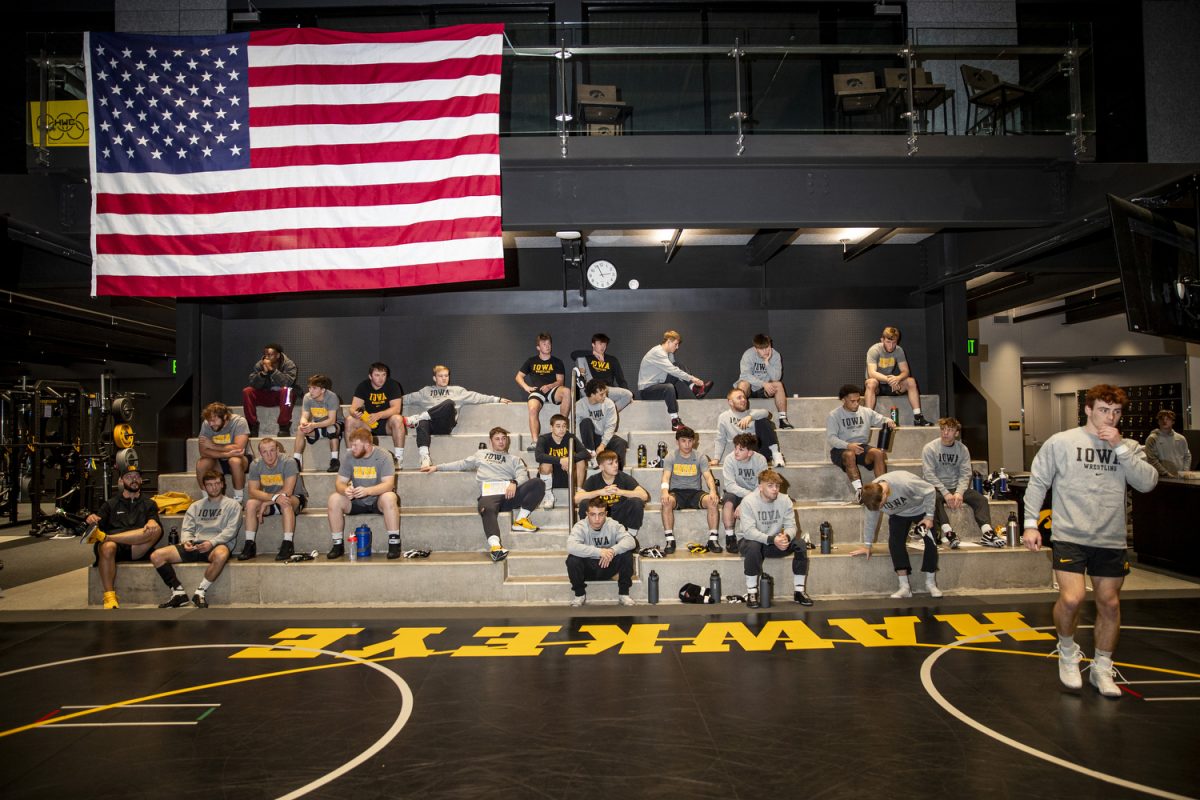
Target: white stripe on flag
(412,131)
(372,93)
(262,55)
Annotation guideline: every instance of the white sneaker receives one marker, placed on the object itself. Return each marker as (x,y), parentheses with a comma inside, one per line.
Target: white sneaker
(1101,675)
(548,501)
(426,461)
(931,585)
(578,600)
(625,600)
(901,593)
(779,461)
(1068,667)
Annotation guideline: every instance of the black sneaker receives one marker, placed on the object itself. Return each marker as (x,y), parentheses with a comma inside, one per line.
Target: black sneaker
(285,430)
(801,597)
(177,600)
(249,551)
(784,424)
(334,465)
(731,542)
(337,551)
(700,391)
(920,421)
(199,600)
(669,547)
(953,539)
(393,550)
(253,429)
(714,546)
(286,551)
(752,600)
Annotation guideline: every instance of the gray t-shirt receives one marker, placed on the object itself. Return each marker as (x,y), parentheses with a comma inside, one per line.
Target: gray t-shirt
(371,470)
(687,473)
(319,410)
(271,479)
(234,426)
(883,362)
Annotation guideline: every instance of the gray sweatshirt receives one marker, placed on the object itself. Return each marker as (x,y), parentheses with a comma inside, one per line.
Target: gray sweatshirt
(490,465)
(740,478)
(218,521)
(754,371)
(603,416)
(584,542)
(947,468)
(283,375)
(727,428)
(1089,477)
(656,365)
(760,521)
(843,428)
(1168,453)
(910,497)
(429,396)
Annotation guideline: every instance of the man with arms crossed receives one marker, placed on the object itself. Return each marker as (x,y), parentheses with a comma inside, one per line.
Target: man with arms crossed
(767,529)
(888,374)
(224,445)
(434,409)
(597,549)
(1089,468)
(365,484)
(760,374)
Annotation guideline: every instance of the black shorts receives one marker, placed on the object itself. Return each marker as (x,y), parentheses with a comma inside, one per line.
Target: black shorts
(1099,562)
(885,390)
(688,498)
(193,556)
(125,551)
(272,509)
(360,506)
(333,431)
(758,394)
(224,464)
(732,498)
(835,455)
(544,394)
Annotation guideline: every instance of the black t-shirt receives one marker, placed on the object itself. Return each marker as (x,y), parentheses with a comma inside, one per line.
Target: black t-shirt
(118,514)
(540,373)
(547,451)
(623,480)
(375,400)
(607,369)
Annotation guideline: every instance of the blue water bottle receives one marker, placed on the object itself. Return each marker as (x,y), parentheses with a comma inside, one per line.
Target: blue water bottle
(363,544)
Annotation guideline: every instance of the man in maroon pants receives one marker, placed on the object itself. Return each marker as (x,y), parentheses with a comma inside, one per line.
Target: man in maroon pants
(272,383)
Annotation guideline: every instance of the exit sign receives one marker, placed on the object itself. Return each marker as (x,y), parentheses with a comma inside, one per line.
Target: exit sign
(972,347)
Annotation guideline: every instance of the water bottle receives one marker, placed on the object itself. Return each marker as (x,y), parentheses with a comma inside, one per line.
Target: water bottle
(483,445)
(895,415)
(1013,530)
(977,481)
(173,536)
(363,536)
(641,455)
(766,590)
(652,589)
(365,416)
(662,450)
(826,538)
(714,586)
(1003,483)
(352,546)
(885,437)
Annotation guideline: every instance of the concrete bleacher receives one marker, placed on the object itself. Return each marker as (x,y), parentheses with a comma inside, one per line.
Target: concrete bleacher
(438,514)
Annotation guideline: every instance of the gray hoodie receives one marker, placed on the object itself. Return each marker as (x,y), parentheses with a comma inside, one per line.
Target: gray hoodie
(727,428)
(584,542)
(761,521)
(490,465)
(427,397)
(740,478)
(909,497)
(1168,453)
(754,371)
(603,416)
(656,365)
(843,428)
(283,375)
(1089,477)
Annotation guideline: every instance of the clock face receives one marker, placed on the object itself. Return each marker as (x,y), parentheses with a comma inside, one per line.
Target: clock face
(602,274)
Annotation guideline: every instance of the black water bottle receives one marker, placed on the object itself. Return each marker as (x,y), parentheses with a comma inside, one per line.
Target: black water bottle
(662,450)
(173,536)
(642,455)
(826,538)
(766,590)
(652,589)
(885,437)
(714,586)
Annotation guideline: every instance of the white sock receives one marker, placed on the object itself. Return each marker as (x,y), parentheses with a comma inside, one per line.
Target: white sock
(903,581)
(424,451)
(916,412)
(674,416)
(856,484)
(299,458)
(775,450)
(549,481)
(751,583)
(783,415)
(798,581)
(399,451)
(204,584)
(237,495)
(522,513)
(178,590)
(946,528)
(287,537)
(1066,643)
(337,537)
(669,534)
(250,535)
(985,528)
(712,535)
(424,415)
(333,452)
(493,541)
(729,532)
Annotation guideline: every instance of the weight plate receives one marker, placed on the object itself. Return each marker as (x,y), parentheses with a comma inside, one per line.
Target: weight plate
(122,409)
(123,435)
(126,458)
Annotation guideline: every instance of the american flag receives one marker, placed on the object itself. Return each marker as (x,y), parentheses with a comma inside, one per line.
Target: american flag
(294,160)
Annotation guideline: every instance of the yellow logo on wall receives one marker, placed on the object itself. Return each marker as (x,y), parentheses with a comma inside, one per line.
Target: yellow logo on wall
(65,121)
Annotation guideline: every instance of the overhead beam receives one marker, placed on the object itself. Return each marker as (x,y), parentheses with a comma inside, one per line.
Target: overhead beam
(765,244)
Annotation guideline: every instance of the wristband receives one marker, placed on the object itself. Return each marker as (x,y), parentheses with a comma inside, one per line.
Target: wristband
(1031,523)
(665,486)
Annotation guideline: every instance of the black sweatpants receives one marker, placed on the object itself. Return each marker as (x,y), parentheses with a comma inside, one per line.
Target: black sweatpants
(591,440)
(669,392)
(753,554)
(442,419)
(898,546)
(977,502)
(581,570)
(764,429)
(627,511)
(528,495)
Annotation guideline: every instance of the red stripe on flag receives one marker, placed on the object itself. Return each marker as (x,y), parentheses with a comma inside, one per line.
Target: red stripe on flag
(297,239)
(317,280)
(286,36)
(299,197)
(373,153)
(352,74)
(368,114)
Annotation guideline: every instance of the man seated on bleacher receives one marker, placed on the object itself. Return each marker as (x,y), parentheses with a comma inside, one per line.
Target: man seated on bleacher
(597,363)
(378,399)
(946,465)
(320,417)
(740,418)
(687,482)
(224,445)
(210,528)
(554,457)
(504,485)
(767,529)
(365,484)
(888,374)
(596,421)
(847,431)
(433,410)
(272,383)
(625,497)
(275,486)
(760,375)
(739,477)
(597,549)
(127,529)
(661,377)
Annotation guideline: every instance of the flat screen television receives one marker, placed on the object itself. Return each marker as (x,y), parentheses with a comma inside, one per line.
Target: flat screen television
(1159,276)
